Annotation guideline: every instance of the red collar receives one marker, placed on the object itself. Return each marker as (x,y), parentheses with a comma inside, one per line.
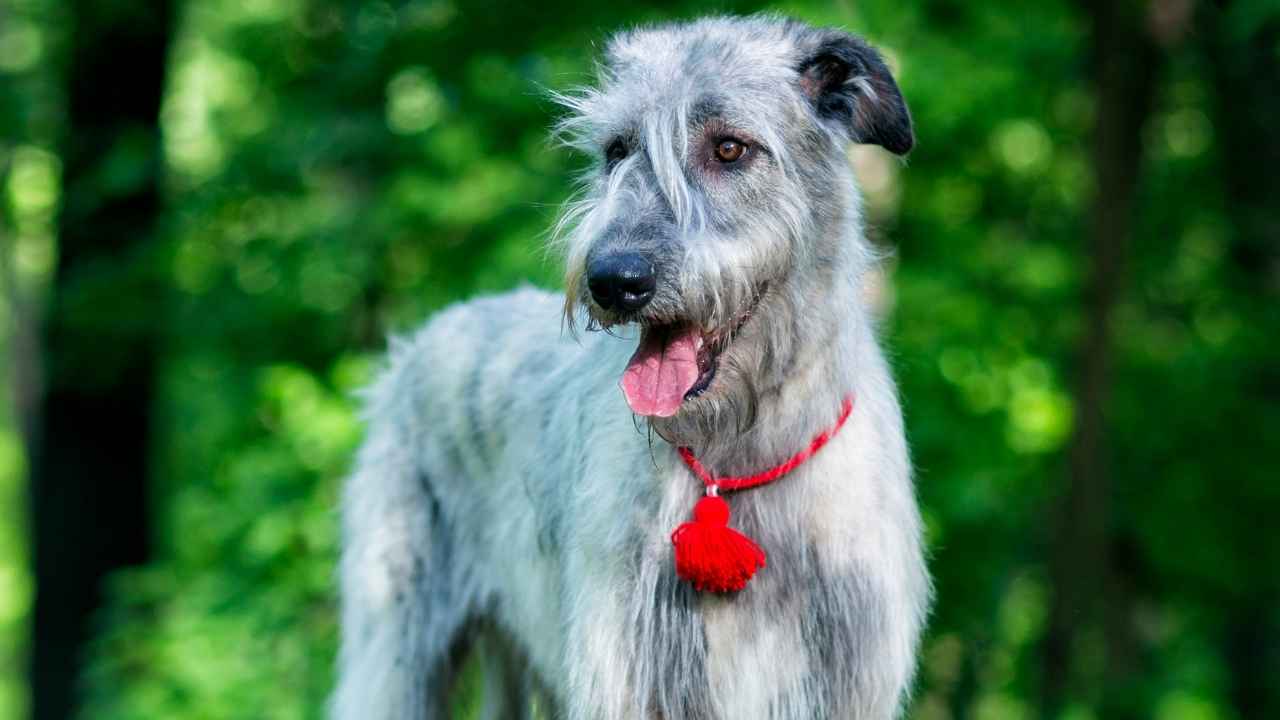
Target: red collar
(743,482)
(709,553)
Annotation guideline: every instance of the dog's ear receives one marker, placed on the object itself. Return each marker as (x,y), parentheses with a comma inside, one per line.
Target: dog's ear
(850,86)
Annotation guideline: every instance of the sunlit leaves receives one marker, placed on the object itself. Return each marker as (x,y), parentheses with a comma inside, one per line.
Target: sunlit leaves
(414,101)
(1023,146)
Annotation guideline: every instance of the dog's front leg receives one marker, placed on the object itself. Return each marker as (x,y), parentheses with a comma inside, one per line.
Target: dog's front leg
(598,661)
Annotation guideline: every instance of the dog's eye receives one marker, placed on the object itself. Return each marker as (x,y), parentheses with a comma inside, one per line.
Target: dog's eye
(729,150)
(615,153)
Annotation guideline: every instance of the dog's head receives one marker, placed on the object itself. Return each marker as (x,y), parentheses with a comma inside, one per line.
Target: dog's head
(720,194)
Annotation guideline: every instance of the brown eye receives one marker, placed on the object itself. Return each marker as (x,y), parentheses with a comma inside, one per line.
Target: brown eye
(615,153)
(729,150)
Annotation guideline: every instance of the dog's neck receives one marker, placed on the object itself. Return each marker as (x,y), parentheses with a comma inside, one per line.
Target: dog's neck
(804,398)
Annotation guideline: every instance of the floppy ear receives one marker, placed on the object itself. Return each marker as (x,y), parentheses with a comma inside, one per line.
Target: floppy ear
(850,86)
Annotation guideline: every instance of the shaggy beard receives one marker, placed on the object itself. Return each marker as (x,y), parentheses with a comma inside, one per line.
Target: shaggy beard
(756,358)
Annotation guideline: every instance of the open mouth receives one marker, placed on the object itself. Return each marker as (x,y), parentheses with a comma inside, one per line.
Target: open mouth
(675,362)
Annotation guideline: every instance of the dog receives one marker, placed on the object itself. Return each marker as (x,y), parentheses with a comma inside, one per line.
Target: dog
(522,476)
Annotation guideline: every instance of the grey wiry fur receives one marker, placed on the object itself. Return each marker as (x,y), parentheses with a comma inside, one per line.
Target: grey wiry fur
(506,487)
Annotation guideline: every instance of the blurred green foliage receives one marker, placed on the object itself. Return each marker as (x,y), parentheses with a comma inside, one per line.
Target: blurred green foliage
(29,188)
(338,170)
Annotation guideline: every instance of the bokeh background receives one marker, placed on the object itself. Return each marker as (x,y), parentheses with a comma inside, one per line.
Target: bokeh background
(213,212)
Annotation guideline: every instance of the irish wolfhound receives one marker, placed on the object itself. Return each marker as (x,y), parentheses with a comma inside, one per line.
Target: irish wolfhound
(508,490)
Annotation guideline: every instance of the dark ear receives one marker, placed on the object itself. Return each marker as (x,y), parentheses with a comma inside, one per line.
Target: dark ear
(849,85)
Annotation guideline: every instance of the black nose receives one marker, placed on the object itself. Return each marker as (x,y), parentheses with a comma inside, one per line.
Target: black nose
(622,281)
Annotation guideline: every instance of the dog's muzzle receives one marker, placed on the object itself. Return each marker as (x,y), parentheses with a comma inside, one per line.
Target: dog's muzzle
(622,282)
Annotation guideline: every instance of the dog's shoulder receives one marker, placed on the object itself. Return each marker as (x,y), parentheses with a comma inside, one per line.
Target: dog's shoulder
(483,341)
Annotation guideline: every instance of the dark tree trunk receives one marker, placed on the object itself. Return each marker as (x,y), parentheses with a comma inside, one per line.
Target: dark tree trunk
(1246,80)
(1251,647)
(1088,592)
(90,452)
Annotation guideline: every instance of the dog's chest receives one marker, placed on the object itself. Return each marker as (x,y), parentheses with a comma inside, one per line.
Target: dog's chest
(784,643)
(788,642)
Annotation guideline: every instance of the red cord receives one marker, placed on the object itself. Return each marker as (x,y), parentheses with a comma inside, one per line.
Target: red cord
(709,553)
(773,473)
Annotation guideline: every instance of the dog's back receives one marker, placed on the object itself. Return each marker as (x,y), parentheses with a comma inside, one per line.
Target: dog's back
(450,518)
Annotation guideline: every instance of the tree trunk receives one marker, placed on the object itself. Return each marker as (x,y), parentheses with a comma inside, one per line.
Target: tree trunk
(1246,75)
(89,481)
(1081,556)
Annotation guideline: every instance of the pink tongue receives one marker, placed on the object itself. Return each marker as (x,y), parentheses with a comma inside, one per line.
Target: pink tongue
(663,369)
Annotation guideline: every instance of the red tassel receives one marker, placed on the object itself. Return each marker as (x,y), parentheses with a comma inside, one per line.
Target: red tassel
(710,554)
